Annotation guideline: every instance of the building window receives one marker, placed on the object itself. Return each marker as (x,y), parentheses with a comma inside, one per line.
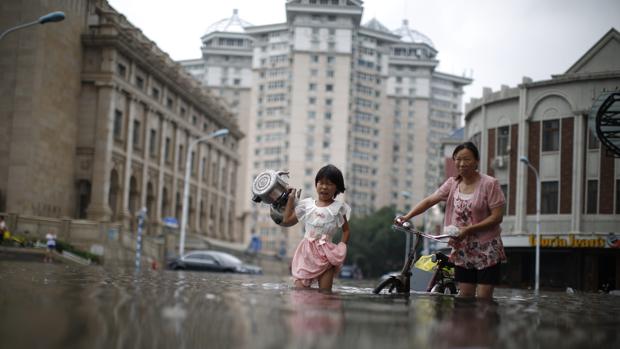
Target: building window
(617,196)
(504,188)
(549,197)
(136,133)
(551,135)
(153,143)
(503,140)
(329,87)
(330,73)
(140,82)
(593,142)
(592,197)
(118,124)
(121,70)
(315,58)
(167,149)
(155,93)
(475,139)
(180,156)
(169,102)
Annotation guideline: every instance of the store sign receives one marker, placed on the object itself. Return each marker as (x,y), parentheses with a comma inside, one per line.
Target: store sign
(575,241)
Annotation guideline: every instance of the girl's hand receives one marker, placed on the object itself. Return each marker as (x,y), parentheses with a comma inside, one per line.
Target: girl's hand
(293,194)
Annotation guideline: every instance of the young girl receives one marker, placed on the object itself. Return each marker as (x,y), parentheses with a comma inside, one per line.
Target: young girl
(316,256)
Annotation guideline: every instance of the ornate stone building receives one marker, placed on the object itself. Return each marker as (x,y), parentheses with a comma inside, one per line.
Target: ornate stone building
(95,122)
(547,121)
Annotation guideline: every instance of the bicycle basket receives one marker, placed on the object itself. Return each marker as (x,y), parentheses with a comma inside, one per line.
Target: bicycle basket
(426,263)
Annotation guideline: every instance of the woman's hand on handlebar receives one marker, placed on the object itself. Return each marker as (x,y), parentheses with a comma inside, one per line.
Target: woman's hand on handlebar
(399,220)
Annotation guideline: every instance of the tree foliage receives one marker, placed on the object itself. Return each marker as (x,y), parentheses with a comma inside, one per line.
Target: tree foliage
(373,245)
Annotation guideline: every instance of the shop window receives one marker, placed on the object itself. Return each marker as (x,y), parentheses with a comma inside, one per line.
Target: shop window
(549,197)
(551,135)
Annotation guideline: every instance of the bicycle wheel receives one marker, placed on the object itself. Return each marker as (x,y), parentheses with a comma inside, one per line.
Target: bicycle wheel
(393,283)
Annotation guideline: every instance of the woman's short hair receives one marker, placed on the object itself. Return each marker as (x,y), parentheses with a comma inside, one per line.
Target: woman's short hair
(467,145)
(333,174)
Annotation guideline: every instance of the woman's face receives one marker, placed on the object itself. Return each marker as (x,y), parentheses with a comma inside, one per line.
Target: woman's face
(325,189)
(465,162)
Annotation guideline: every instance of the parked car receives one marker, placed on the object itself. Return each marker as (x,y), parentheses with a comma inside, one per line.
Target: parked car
(350,272)
(212,261)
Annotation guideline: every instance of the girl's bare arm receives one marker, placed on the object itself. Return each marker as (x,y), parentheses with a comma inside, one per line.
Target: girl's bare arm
(288,217)
(345,231)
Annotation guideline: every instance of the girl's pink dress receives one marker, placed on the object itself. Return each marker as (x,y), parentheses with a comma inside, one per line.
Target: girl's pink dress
(316,252)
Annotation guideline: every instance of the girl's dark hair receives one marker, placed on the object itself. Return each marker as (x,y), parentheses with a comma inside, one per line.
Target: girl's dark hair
(467,145)
(333,174)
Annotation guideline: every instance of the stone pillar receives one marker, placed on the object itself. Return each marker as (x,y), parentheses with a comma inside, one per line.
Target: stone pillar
(522,170)
(131,115)
(579,146)
(162,165)
(99,208)
(146,158)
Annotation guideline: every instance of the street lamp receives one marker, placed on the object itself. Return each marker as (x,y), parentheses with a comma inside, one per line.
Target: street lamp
(406,195)
(50,17)
(525,160)
(188,163)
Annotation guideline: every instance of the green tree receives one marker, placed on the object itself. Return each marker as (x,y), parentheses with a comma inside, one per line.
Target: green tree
(373,245)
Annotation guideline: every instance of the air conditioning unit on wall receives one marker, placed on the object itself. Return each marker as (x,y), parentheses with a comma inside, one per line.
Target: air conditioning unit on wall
(499,162)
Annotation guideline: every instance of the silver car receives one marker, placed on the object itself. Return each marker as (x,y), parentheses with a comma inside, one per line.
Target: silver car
(212,261)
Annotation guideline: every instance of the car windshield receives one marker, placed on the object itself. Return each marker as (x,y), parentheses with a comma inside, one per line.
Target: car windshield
(228,259)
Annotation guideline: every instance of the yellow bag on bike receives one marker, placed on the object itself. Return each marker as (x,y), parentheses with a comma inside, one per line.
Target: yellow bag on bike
(426,263)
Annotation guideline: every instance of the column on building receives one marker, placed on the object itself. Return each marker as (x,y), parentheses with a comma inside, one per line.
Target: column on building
(126,214)
(99,208)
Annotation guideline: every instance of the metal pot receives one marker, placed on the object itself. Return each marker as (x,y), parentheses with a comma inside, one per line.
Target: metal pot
(269,187)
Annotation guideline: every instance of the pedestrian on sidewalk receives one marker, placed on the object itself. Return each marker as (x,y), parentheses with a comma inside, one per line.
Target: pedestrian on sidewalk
(51,246)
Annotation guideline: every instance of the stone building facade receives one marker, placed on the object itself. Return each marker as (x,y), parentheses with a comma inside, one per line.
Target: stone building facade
(547,121)
(98,122)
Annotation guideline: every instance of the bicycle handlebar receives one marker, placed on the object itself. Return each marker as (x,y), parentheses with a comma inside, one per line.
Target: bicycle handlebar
(407,228)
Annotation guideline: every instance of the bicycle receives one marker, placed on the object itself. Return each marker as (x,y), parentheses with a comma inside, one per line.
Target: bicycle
(443,277)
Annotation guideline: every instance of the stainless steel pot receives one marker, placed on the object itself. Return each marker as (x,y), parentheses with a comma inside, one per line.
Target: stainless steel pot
(269,187)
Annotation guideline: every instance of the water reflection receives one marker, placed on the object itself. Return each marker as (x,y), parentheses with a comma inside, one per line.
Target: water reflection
(111,308)
(315,313)
(468,323)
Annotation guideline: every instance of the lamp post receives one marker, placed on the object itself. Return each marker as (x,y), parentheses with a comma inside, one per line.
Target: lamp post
(525,160)
(48,18)
(188,163)
(406,195)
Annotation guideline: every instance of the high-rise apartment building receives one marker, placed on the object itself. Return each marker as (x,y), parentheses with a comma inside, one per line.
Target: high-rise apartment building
(325,89)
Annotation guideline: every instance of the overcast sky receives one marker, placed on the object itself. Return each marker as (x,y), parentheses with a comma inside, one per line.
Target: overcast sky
(500,41)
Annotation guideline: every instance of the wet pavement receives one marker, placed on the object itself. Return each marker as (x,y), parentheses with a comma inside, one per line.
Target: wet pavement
(61,306)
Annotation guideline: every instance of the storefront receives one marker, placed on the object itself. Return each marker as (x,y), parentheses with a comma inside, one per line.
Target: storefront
(582,262)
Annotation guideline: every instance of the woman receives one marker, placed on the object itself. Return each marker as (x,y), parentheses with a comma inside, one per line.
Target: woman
(475,205)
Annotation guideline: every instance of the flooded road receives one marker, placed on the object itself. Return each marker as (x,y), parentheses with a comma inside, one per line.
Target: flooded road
(60,306)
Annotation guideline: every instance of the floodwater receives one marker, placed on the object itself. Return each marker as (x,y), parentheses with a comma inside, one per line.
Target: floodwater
(61,306)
